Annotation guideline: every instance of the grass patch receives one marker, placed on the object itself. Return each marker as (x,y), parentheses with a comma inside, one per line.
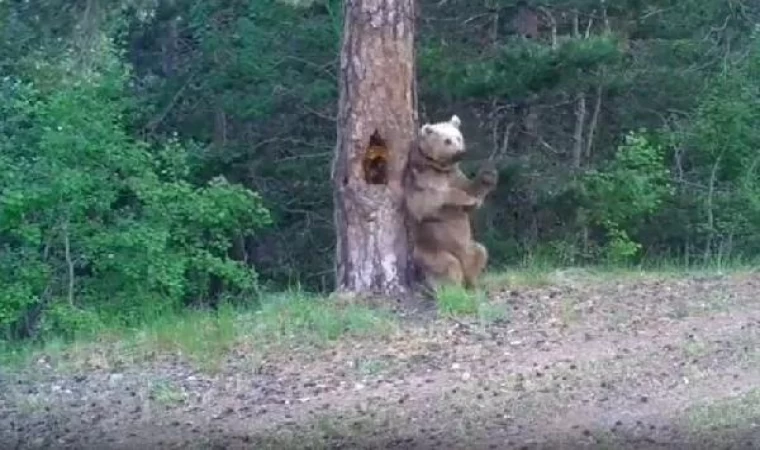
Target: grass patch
(697,349)
(725,415)
(32,403)
(208,338)
(489,312)
(529,278)
(516,278)
(545,274)
(166,393)
(454,301)
(381,429)
(370,366)
(204,337)
(316,319)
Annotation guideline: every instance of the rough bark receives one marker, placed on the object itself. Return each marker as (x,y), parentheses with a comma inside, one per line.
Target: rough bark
(377,125)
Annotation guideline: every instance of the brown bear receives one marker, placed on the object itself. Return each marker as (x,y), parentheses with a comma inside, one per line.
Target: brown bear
(439,200)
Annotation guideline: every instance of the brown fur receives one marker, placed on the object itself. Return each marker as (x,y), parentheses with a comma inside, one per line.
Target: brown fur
(440,199)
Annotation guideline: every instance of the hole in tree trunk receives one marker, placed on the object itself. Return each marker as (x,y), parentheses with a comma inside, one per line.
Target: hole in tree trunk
(375,161)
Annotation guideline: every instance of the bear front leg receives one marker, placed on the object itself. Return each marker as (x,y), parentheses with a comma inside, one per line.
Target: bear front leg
(485,181)
(461,199)
(487,178)
(479,187)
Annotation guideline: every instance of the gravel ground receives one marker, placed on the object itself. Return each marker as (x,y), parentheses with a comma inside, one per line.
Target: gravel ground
(578,362)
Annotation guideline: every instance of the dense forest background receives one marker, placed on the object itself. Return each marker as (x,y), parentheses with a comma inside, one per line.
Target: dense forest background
(156,154)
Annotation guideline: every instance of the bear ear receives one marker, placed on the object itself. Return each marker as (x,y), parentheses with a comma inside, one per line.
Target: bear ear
(455,121)
(427,129)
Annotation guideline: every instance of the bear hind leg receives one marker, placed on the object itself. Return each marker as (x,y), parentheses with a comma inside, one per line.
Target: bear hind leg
(440,267)
(475,263)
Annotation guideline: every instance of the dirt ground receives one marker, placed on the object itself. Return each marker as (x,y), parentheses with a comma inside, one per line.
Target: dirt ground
(633,362)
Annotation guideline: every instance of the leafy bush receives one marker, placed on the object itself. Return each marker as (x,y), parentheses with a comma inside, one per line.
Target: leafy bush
(632,187)
(91,218)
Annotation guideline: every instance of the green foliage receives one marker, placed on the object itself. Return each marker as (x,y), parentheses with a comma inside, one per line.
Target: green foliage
(255,84)
(632,187)
(139,181)
(513,70)
(720,162)
(91,217)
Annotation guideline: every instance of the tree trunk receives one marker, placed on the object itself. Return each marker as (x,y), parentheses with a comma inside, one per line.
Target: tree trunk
(580,108)
(377,125)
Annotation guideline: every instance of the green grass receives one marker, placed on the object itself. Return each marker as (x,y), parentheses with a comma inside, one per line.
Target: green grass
(207,338)
(517,278)
(738,412)
(544,273)
(166,393)
(292,316)
(455,301)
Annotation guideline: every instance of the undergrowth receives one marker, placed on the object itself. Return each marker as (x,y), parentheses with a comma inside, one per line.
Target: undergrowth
(208,337)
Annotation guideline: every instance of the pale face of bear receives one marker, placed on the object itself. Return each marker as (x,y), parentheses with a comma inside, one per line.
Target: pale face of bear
(442,142)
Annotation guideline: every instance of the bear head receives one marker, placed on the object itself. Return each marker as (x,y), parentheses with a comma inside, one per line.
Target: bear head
(442,144)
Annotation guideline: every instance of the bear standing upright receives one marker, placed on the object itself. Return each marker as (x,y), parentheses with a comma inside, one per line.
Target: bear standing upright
(439,200)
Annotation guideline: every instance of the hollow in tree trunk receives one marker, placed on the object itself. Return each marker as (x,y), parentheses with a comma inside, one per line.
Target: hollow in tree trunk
(377,125)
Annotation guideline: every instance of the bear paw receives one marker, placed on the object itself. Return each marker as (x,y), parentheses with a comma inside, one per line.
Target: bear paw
(488,175)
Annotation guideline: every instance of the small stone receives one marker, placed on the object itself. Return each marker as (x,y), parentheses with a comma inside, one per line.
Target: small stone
(115,377)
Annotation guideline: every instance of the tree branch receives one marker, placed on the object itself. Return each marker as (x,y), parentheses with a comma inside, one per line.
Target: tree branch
(69,261)
(594,121)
